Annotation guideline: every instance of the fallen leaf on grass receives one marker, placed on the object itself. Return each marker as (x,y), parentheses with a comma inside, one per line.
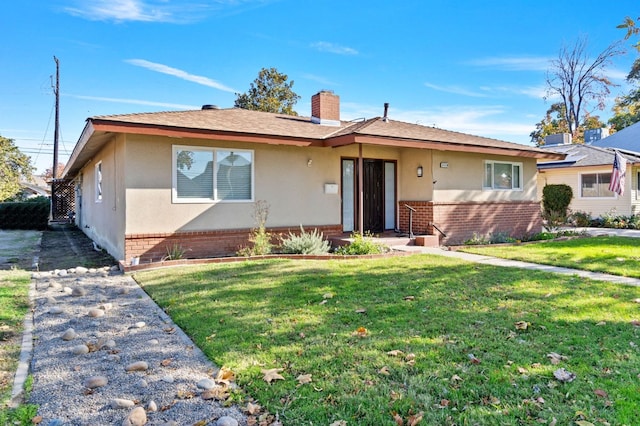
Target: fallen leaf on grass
(272,374)
(409,298)
(398,419)
(323,302)
(601,323)
(303,379)
(556,358)
(635,323)
(444,403)
(414,419)
(327,296)
(361,311)
(339,423)
(395,352)
(584,423)
(384,370)
(253,408)
(521,325)
(522,370)
(456,378)
(563,375)
(395,395)
(225,375)
(473,359)
(361,332)
(600,393)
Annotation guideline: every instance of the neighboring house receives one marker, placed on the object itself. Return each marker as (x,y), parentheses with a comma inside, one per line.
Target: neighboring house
(36,187)
(147,181)
(587,170)
(626,140)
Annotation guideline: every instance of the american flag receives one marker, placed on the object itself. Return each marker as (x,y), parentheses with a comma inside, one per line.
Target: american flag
(618,174)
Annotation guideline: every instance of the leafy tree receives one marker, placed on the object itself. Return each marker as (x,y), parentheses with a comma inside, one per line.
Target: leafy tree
(48,173)
(14,166)
(626,110)
(270,92)
(577,80)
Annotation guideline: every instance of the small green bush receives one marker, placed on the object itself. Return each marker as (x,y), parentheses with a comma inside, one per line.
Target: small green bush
(175,252)
(581,219)
(477,240)
(25,215)
(362,244)
(305,243)
(501,238)
(555,205)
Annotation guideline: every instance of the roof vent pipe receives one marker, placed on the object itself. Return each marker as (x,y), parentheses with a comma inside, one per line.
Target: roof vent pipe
(385,118)
(208,106)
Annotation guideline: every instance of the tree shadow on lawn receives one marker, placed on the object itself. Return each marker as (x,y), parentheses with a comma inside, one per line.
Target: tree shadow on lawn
(305,317)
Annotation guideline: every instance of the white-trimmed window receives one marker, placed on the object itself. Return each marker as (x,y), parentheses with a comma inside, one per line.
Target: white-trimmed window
(595,185)
(98,181)
(502,176)
(202,174)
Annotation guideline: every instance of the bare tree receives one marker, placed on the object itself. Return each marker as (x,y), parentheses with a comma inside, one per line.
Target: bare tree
(577,80)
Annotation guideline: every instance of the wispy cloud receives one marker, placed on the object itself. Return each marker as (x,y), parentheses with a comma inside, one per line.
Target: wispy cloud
(324,46)
(490,120)
(156,10)
(133,102)
(457,90)
(319,79)
(516,63)
(164,69)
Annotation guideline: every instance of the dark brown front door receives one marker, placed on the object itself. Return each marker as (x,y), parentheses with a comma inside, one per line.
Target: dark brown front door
(373,178)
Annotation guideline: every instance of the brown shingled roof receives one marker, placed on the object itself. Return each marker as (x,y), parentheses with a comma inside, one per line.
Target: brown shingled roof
(236,124)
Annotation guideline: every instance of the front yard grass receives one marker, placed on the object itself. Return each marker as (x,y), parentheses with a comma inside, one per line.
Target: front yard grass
(14,304)
(390,338)
(611,255)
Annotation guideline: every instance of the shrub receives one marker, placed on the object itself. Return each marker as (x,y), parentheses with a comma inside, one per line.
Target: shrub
(477,240)
(25,215)
(362,244)
(305,243)
(501,238)
(555,204)
(175,252)
(259,237)
(581,219)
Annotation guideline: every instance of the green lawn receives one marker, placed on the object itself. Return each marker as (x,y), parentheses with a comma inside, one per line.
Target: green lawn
(612,255)
(14,304)
(466,357)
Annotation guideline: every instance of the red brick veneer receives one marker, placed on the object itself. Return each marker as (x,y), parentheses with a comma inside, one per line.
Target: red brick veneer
(203,244)
(459,220)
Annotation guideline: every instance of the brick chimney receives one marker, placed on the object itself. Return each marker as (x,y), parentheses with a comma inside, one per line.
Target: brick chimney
(325,108)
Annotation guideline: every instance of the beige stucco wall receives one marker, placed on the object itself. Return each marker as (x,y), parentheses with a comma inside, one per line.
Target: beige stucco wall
(103,221)
(595,206)
(294,190)
(463,178)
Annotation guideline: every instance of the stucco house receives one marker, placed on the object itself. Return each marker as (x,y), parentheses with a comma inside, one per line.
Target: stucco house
(587,170)
(146,181)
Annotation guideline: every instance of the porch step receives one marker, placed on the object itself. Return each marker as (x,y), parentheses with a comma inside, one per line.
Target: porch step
(427,240)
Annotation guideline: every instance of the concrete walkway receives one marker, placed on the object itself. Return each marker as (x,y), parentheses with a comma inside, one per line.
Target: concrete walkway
(494,261)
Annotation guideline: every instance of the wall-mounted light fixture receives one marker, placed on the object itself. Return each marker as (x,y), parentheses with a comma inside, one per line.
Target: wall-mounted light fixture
(419,171)
(309,162)
(444,165)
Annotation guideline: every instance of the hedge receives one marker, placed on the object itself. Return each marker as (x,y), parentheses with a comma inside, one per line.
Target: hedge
(25,215)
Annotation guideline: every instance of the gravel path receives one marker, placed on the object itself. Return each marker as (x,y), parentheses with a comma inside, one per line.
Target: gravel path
(123,360)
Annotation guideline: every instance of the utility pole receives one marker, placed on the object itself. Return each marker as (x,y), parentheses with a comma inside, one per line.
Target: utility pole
(56,91)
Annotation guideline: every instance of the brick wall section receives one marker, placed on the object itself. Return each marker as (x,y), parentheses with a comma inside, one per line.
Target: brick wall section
(459,221)
(325,105)
(204,244)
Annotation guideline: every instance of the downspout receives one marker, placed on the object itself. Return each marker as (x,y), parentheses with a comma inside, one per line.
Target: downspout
(360,191)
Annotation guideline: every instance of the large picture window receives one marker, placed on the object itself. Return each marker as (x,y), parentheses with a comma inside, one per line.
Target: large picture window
(502,176)
(595,185)
(211,174)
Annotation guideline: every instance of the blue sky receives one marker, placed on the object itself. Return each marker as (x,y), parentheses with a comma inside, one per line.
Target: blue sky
(467,65)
